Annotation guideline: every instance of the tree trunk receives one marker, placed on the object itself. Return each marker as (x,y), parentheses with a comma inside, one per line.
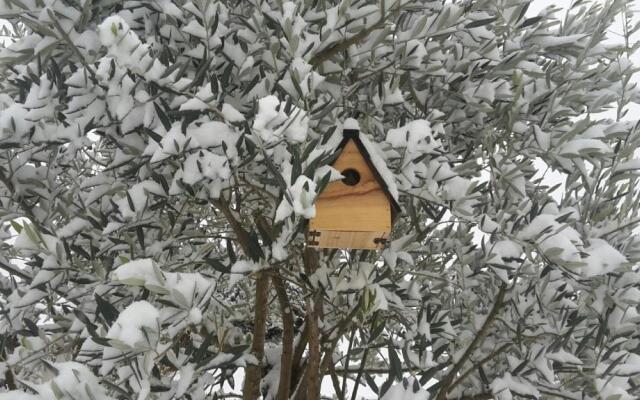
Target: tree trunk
(254,372)
(286,360)
(314,305)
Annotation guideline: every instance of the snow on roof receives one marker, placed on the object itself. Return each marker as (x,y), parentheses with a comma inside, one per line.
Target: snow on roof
(380,164)
(351,123)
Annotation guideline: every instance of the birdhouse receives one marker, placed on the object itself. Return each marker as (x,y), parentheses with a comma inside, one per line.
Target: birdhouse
(356,212)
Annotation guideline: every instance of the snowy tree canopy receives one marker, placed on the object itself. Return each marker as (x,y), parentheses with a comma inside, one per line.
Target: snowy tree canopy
(159,161)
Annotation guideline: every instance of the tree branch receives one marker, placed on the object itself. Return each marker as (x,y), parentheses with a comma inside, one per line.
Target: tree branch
(479,364)
(253,375)
(254,372)
(446,383)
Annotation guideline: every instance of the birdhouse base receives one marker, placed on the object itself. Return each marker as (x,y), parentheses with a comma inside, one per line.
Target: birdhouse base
(347,239)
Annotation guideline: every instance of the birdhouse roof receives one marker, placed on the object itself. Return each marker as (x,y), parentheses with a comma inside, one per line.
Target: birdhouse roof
(374,160)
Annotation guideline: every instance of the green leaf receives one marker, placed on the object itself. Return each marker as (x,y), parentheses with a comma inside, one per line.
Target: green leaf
(371,383)
(394,363)
(164,119)
(530,21)
(16,226)
(480,22)
(106,309)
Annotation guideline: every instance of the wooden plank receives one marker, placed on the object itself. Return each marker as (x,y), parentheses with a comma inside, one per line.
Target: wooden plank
(349,240)
(363,207)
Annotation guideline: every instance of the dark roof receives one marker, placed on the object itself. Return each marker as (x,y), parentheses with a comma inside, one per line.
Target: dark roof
(354,134)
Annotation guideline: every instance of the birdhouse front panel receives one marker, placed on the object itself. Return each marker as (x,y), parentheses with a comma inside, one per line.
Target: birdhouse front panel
(354,212)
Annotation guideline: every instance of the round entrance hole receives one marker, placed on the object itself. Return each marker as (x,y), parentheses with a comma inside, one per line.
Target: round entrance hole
(351,177)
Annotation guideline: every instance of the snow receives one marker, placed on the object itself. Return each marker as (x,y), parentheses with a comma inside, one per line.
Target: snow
(80,158)
(24,242)
(140,272)
(405,391)
(351,123)
(208,134)
(194,104)
(629,366)
(625,166)
(306,79)
(195,29)
(270,116)
(188,288)
(271,123)
(553,41)
(505,252)
(602,258)
(186,377)
(111,30)
(111,227)
(581,147)
(354,279)
(393,252)
(172,143)
(75,381)
(244,266)
(74,226)
(502,387)
(613,388)
(139,195)
(302,194)
(392,95)
(455,188)
(416,136)
(132,323)
(230,114)
(240,269)
(379,163)
(542,138)
(195,316)
(564,357)
(488,225)
(205,165)
(556,240)
(19,395)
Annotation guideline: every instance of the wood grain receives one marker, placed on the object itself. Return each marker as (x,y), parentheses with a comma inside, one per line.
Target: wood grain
(360,208)
(352,216)
(349,240)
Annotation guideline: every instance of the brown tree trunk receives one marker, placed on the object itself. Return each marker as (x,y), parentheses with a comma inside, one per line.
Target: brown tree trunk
(254,372)
(286,360)
(314,305)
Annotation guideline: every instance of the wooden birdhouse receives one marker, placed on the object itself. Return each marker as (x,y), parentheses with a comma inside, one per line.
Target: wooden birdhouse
(356,212)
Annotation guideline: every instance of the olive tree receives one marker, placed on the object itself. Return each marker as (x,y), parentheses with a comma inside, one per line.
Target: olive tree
(159,162)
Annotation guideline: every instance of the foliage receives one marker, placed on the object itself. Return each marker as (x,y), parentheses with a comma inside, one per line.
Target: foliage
(158,161)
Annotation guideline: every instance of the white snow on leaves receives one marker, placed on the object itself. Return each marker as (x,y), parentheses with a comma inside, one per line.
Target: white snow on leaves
(302,194)
(72,380)
(272,123)
(562,243)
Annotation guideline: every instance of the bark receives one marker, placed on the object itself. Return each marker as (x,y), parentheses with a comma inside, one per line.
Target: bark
(254,371)
(314,303)
(286,360)
(298,366)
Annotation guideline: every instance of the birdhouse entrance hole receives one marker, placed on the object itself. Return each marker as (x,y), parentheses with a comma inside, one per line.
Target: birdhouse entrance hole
(351,177)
